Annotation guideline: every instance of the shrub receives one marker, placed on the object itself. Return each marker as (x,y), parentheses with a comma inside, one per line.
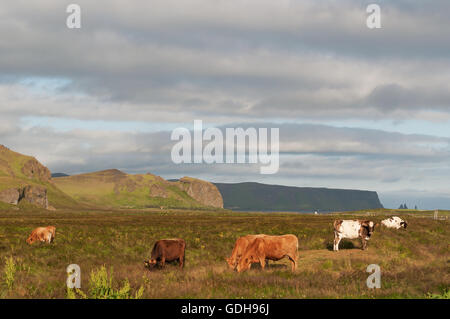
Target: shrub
(445,295)
(101,286)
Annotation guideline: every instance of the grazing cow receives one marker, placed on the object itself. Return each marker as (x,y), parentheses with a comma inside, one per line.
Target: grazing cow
(239,249)
(271,248)
(394,222)
(352,229)
(167,250)
(42,234)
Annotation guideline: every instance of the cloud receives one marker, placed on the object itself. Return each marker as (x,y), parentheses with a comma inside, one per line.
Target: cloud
(290,59)
(257,63)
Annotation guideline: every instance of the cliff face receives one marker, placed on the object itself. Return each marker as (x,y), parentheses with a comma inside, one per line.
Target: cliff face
(262,197)
(35,170)
(204,192)
(23,178)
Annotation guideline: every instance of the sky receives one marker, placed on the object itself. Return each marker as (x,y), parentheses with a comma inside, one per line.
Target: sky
(356,108)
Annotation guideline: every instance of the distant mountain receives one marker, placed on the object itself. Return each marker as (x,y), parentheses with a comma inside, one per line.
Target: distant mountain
(262,197)
(59,175)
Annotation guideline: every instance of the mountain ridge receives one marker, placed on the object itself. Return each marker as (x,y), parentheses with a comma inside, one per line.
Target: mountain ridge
(253,196)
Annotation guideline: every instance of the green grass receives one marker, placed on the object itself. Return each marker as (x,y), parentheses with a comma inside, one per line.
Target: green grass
(414,263)
(113,188)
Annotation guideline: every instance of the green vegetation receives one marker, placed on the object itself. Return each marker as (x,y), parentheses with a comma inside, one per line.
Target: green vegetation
(101,286)
(262,197)
(414,262)
(12,175)
(9,272)
(113,188)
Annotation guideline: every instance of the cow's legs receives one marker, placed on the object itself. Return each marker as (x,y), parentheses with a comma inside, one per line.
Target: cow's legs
(337,240)
(262,261)
(181,261)
(293,260)
(163,261)
(363,243)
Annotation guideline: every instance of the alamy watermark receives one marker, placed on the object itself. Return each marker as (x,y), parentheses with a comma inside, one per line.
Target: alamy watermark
(73,21)
(373,21)
(239,146)
(374,280)
(73,276)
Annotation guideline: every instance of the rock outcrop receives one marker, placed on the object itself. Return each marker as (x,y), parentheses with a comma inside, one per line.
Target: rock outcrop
(10,196)
(35,170)
(158,191)
(204,192)
(36,195)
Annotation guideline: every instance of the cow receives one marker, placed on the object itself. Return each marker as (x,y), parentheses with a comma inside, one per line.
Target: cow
(394,222)
(271,248)
(352,229)
(42,234)
(167,250)
(239,248)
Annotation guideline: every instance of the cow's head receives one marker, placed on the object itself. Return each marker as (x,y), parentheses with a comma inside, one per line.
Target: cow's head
(245,262)
(404,224)
(368,228)
(150,263)
(231,263)
(31,239)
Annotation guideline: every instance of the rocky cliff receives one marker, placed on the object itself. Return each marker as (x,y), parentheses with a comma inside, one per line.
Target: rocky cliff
(263,197)
(202,191)
(24,178)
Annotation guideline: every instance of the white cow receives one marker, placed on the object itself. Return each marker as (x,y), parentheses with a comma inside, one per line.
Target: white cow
(394,222)
(352,229)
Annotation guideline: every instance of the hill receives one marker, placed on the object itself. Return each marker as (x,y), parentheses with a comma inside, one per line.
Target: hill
(23,181)
(59,175)
(263,197)
(114,188)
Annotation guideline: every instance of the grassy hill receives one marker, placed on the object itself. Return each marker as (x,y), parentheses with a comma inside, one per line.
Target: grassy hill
(18,171)
(263,197)
(113,188)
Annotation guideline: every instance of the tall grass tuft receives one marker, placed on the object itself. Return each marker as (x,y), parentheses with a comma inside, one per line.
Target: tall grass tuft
(445,295)
(101,286)
(10,272)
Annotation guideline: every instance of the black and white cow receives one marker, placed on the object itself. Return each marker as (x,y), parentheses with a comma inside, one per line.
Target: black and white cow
(352,229)
(394,222)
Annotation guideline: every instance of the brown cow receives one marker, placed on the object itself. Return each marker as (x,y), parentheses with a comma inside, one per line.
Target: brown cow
(239,248)
(272,248)
(167,250)
(42,234)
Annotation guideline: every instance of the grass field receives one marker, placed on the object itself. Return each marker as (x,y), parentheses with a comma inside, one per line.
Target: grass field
(414,262)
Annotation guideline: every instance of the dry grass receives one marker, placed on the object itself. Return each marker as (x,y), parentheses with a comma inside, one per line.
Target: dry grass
(413,262)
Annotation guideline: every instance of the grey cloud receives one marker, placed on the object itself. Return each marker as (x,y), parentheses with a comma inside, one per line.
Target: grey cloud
(256,59)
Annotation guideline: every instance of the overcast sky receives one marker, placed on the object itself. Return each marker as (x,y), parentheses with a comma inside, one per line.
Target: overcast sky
(356,107)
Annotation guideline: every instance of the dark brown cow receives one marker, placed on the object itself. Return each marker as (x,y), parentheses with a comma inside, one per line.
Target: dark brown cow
(167,250)
(272,248)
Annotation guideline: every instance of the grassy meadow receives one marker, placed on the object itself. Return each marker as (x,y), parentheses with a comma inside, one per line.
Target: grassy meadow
(414,262)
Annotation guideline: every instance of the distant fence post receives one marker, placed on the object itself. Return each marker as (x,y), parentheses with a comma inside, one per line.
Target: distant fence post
(436,214)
